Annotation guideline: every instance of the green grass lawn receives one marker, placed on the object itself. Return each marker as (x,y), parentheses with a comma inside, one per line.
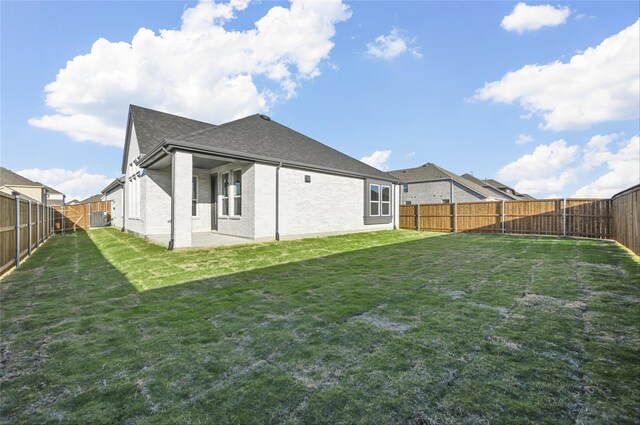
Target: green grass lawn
(385,327)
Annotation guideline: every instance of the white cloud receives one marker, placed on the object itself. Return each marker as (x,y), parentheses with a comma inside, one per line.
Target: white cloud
(601,84)
(76,184)
(554,167)
(200,70)
(410,154)
(378,159)
(531,18)
(623,171)
(543,161)
(523,139)
(391,46)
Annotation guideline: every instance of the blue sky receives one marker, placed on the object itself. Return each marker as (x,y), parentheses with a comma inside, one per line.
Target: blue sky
(544,97)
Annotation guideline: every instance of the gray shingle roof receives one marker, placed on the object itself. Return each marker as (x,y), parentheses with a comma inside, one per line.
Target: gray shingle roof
(430,171)
(9,178)
(154,126)
(260,138)
(92,198)
(487,186)
(114,184)
(503,187)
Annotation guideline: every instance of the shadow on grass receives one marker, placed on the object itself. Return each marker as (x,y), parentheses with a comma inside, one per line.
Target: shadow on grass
(418,331)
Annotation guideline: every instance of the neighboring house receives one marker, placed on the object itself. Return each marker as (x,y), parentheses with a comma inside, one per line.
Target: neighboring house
(503,187)
(252,178)
(10,182)
(114,192)
(430,184)
(93,198)
(490,188)
(73,202)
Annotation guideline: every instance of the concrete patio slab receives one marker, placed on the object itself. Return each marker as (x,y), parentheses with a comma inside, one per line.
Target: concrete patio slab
(203,240)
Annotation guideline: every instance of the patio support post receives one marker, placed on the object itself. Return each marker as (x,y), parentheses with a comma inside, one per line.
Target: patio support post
(181,177)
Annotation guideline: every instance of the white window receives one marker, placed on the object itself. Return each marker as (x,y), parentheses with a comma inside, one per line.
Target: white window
(405,188)
(379,200)
(194,196)
(385,202)
(224,183)
(237,195)
(374,199)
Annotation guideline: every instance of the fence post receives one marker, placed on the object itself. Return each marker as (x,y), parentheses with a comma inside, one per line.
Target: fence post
(418,217)
(63,225)
(564,216)
(17,197)
(29,228)
(37,225)
(502,217)
(454,207)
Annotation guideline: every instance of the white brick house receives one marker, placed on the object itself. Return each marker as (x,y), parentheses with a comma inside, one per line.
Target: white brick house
(251,178)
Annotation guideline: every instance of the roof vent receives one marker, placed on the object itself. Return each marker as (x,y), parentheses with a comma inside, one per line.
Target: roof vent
(265,117)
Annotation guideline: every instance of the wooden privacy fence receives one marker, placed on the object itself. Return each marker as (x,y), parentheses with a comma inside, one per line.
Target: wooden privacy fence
(590,218)
(78,216)
(626,218)
(24,225)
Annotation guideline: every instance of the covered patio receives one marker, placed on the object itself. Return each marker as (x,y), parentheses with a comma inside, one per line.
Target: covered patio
(202,240)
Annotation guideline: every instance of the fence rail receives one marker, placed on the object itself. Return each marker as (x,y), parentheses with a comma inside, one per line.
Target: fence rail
(24,226)
(590,218)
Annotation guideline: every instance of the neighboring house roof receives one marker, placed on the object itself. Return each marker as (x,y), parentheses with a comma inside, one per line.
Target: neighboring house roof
(432,172)
(73,201)
(152,127)
(259,138)
(113,185)
(487,186)
(9,178)
(503,187)
(94,198)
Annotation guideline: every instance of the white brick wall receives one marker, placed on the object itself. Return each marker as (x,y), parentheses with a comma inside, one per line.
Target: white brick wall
(183,171)
(116,207)
(157,201)
(135,225)
(329,204)
(243,225)
(265,200)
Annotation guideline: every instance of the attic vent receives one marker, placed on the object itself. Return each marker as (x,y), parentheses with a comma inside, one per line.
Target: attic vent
(265,117)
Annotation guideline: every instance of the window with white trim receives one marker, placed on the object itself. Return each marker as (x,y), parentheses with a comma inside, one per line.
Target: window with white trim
(237,194)
(385,201)
(374,199)
(194,196)
(405,188)
(224,183)
(379,200)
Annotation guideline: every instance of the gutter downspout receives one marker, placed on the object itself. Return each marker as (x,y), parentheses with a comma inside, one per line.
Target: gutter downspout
(173,200)
(278,201)
(393,203)
(124,204)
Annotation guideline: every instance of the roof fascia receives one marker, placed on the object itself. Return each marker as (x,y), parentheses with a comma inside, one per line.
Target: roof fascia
(171,145)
